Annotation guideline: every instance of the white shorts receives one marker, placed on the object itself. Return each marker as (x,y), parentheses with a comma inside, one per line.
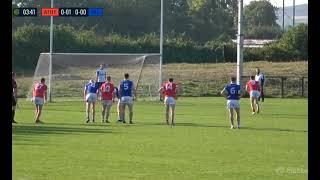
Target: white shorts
(106,102)
(255,94)
(38,101)
(232,103)
(91,97)
(126,100)
(169,101)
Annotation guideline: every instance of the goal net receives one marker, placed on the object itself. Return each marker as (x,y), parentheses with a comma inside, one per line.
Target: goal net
(68,73)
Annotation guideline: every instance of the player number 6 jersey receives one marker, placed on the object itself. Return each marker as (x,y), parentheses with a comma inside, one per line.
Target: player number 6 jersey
(233,91)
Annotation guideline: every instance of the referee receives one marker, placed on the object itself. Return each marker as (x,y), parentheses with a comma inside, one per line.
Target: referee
(261,79)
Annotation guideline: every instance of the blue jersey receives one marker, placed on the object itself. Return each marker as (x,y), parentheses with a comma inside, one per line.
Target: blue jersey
(126,87)
(233,91)
(92,87)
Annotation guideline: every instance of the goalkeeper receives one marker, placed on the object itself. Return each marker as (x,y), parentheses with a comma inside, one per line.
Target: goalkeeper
(101,75)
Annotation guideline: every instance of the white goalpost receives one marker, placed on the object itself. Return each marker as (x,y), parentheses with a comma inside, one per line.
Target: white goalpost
(161,43)
(144,69)
(240,39)
(69,72)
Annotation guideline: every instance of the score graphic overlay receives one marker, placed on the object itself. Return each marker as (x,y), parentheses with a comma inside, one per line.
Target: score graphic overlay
(25,12)
(80,12)
(95,12)
(65,12)
(72,12)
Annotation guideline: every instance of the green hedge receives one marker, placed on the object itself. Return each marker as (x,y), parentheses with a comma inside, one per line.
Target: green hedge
(30,40)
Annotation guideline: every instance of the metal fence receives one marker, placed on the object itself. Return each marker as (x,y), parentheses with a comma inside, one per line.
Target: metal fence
(285,86)
(275,86)
(210,85)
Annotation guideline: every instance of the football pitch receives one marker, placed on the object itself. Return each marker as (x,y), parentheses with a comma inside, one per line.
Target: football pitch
(270,145)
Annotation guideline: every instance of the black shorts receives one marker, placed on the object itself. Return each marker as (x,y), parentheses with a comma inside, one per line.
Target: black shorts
(99,84)
(14,102)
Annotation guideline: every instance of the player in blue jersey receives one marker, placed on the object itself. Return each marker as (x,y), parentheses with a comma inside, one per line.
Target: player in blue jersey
(232,92)
(127,95)
(90,96)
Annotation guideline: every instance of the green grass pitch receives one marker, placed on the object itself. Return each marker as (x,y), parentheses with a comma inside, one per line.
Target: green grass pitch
(270,145)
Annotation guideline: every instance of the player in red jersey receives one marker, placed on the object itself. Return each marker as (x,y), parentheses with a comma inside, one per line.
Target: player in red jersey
(169,89)
(107,97)
(253,88)
(39,98)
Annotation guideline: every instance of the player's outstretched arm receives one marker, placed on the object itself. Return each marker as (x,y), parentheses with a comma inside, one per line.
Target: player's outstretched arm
(15,93)
(84,93)
(241,93)
(119,93)
(160,90)
(113,95)
(45,97)
(134,92)
(244,92)
(97,92)
(177,91)
(223,92)
(97,75)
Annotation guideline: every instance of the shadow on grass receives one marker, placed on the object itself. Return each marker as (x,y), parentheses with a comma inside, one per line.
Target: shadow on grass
(179,124)
(274,129)
(56,129)
(284,114)
(224,126)
(31,134)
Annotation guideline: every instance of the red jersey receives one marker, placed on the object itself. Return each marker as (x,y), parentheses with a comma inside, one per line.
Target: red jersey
(107,90)
(39,90)
(170,89)
(253,85)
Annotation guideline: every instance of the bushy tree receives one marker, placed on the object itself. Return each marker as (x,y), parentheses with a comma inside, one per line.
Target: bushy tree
(260,13)
(210,18)
(260,20)
(295,40)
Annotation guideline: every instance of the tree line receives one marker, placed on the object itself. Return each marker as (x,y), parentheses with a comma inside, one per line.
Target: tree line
(31,40)
(200,20)
(195,31)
